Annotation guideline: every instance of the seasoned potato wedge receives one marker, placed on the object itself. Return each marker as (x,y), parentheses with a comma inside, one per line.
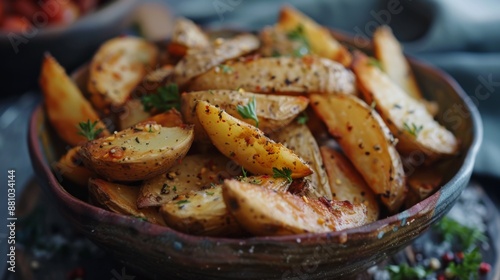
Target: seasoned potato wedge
(393,62)
(320,40)
(299,139)
(153,81)
(117,68)
(70,166)
(65,105)
(367,142)
(201,212)
(273,111)
(264,212)
(200,61)
(187,36)
(132,112)
(193,173)
(407,118)
(347,184)
(138,153)
(121,199)
(247,145)
(290,75)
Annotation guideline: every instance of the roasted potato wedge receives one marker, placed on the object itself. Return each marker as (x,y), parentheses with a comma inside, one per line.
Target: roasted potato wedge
(273,111)
(138,153)
(200,61)
(347,184)
(70,166)
(187,36)
(193,173)
(247,145)
(201,212)
(298,138)
(117,68)
(65,105)
(153,81)
(121,199)
(265,212)
(406,117)
(132,113)
(290,75)
(367,142)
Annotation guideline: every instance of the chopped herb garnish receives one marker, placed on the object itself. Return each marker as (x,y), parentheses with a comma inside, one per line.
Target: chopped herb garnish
(89,130)
(303,118)
(184,201)
(174,188)
(209,193)
(375,62)
(298,35)
(141,218)
(468,237)
(283,173)
(210,91)
(226,69)
(249,111)
(413,129)
(244,172)
(468,268)
(404,271)
(166,98)
(256,181)
(275,53)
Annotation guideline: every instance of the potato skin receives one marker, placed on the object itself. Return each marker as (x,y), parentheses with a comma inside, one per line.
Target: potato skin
(138,153)
(246,144)
(70,166)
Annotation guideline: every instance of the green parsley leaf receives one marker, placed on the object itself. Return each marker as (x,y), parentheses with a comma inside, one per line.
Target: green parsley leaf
(375,62)
(209,193)
(404,271)
(89,130)
(166,98)
(413,129)
(184,201)
(468,237)
(299,36)
(226,69)
(283,173)
(244,172)
(468,268)
(249,111)
(303,118)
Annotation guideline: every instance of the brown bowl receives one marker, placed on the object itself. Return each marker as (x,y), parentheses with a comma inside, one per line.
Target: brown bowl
(163,253)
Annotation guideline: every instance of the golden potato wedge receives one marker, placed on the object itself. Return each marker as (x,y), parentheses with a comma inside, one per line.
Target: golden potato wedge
(65,105)
(407,118)
(273,111)
(121,199)
(201,212)
(153,81)
(393,62)
(290,75)
(138,153)
(265,212)
(347,184)
(298,138)
(247,145)
(320,40)
(192,173)
(187,36)
(198,62)
(117,68)
(367,142)
(70,166)
(132,113)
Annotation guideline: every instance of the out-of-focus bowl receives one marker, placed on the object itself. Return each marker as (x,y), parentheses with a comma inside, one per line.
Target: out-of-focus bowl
(21,53)
(163,253)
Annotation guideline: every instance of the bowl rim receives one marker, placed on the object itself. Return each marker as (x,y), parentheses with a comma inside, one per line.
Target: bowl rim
(373,229)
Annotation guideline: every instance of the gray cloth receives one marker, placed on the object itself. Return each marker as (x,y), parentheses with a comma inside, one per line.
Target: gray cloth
(461,37)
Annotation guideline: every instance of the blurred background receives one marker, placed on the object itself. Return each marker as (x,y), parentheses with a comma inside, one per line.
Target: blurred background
(459,36)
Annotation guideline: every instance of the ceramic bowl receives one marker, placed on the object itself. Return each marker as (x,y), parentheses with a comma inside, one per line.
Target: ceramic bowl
(162,253)
(21,53)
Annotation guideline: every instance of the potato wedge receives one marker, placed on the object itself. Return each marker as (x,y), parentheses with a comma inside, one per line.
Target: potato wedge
(187,36)
(298,138)
(389,52)
(367,142)
(117,68)
(153,80)
(347,184)
(132,113)
(65,105)
(247,145)
(290,75)
(138,153)
(264,212)
(201,212)
(193,173)
(70,166)
(200,61)
(407,118)
(320,39)
(273,111)
(423,182)
(121,199)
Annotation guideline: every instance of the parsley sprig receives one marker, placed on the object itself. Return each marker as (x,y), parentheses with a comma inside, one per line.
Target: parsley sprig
(166,98)
(249,111)
(302,118)
(375,62)
(89,130)
(283,173)
(412,128)
(299,36)
(468,268)
(468,237)
(404,271)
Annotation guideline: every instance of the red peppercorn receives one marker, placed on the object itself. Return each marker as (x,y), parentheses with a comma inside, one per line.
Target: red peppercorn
(484,268)
(459,256)
(448,257)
